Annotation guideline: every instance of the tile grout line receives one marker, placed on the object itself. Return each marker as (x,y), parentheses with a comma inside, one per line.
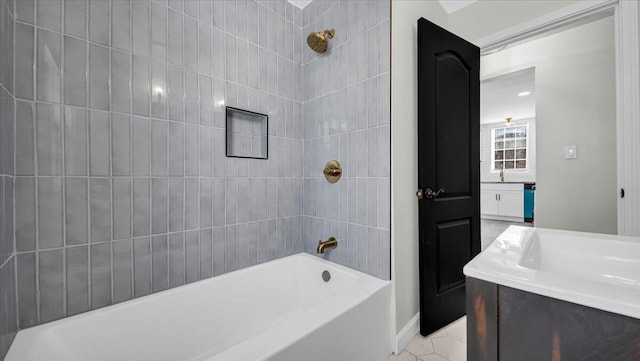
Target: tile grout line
(63,170)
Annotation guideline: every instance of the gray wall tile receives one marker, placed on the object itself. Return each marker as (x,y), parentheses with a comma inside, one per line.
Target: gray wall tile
(175,37)
(49,14)
(140,83)
(191,150)
(75,141)
(99,143)
(141,27)
(159,134)
(154,176)
(75,18)
(120,90)
(122,208)
(51,284)
(176,5)
(219,243)
(76,203)
(206,151)
(191,97)
(9,314)
(206,253)
(159,201)
(27,289)
(218,14)
(218,60)
(219,202)
(176,149)
(141,207)
(100,209)
(50,212)
(24,51)
(99,21)
(25,10)
(6,219)
(141,146)
(160,263)
(358,87)
(75,72)
(190,43)
(204,12)
(100,275)
(191,256)
(25,214)
(49,139)
(122,270)
(204,49)
(7,41)
(176,259)
(206,205)
(158,31)
(120,145)
(176,93)
(191,203)
(231,249)
(121,24)
(158,89)
(176,204)
(141,266)
(206,100)
(24,150)
(191,8)
(98,76)
(77,274)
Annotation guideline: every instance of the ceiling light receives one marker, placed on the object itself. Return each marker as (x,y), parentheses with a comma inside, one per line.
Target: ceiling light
(524,94)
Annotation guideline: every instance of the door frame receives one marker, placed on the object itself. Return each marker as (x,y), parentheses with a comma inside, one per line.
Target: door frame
(627,60)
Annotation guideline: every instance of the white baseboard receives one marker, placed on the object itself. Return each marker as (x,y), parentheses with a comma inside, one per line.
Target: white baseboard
(406,334)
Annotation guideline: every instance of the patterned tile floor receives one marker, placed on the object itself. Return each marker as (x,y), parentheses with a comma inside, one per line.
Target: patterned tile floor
(446,344)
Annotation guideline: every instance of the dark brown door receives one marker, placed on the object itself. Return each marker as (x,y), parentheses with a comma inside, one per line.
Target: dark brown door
(448,171)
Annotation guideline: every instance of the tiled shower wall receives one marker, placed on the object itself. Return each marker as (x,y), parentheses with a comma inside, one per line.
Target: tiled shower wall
(8,309)
(347,118)
(122,184)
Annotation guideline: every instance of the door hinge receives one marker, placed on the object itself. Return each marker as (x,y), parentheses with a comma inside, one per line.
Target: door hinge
(419,194)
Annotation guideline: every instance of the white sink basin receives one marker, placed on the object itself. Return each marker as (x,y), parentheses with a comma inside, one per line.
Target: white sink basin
(595,270)
(583,256)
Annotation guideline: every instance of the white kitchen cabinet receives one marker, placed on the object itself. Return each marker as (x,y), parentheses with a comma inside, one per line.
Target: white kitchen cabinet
(502,201)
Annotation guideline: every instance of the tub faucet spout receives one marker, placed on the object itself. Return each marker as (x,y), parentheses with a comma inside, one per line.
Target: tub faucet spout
(332,243)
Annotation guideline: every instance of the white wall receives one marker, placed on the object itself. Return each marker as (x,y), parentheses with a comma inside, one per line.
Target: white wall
(478,20)
(404,158)
(575,105)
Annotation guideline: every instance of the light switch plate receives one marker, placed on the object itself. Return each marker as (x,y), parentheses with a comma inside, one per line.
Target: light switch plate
(570,152)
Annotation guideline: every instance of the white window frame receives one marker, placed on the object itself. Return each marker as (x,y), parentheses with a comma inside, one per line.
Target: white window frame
(493,150)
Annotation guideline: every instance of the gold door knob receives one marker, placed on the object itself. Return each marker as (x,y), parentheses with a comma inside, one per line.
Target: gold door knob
(419,194)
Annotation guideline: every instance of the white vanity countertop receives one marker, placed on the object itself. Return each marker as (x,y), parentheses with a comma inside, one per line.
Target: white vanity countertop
(595,270)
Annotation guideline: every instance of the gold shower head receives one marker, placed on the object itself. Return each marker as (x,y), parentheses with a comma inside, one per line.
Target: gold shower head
(318,41)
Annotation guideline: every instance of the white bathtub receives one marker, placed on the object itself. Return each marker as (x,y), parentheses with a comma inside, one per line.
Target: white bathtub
(595,270)
(278,311)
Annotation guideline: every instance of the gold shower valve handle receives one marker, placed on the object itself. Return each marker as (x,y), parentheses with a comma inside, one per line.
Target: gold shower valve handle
(332,171)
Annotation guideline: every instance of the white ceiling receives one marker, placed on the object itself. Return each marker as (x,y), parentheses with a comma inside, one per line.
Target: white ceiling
(499,97)
(451,6)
